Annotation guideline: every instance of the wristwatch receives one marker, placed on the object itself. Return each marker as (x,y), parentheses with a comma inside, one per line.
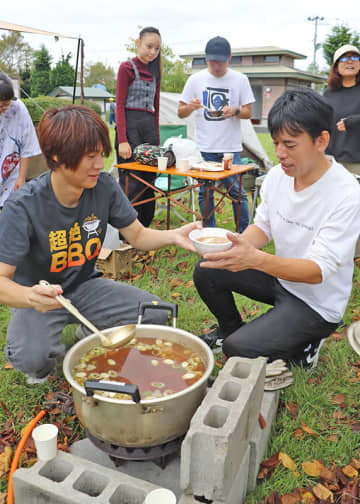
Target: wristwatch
(237,112)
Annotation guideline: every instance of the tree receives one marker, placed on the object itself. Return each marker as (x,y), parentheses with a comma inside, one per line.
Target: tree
(98,73)
(63,74)
(40,79)
(174,73)
(339,35)
(15,54)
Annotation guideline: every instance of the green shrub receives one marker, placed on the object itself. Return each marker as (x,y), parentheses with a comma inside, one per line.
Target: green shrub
(37,106)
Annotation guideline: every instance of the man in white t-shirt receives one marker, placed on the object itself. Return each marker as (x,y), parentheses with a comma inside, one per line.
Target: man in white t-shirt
(228,96)
(310,207)
(18,140)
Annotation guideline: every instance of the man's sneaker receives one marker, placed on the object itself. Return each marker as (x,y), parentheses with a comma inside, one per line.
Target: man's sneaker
(214,339)
(312,353)
(33,380)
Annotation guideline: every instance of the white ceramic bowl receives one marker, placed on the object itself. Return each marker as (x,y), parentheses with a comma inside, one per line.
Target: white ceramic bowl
(206,247)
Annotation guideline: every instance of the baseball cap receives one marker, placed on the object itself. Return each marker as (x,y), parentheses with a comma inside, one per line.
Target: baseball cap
(217,48)
(343,50)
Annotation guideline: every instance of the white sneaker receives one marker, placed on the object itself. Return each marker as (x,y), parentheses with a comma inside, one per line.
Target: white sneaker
(313,354)
(33,380)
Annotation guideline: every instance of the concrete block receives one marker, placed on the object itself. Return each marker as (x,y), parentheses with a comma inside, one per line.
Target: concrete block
(219,432)
(71,480)
(259,437)
(237,492)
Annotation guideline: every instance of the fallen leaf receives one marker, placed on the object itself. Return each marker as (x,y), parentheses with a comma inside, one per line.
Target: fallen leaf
(307,497)
(322,493)
(338,415)
(333,438)
(307,429)
(289,499)
(355,463)
(292,407)
(262,421)
(176,295)
(338,399)
(350,472)
(313,468)
(182,265)
(327,475)
(288,463)
(6,411)
(5,460)
(355,427)
(8,366)
(299,434)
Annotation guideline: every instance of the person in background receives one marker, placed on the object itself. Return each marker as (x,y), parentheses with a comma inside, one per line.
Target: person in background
(343,94)
(112,112)
(53,228)
(137,112)
(227,92)
(310,206)
(18,140)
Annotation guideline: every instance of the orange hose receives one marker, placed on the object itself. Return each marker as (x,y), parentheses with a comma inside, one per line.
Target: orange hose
(19,448)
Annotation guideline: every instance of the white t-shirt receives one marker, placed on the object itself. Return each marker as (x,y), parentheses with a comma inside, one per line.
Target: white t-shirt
(18,140)
(320,223)
(216,134)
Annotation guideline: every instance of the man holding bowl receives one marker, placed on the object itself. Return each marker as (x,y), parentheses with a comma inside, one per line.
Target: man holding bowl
(310,207)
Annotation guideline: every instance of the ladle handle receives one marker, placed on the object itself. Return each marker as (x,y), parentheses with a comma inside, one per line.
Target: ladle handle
(74,311)
(154,305)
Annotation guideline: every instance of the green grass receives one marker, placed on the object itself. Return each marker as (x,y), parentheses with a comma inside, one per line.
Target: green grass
(168,273)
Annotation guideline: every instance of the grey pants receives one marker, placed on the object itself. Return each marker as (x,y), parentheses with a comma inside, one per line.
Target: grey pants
(33,338)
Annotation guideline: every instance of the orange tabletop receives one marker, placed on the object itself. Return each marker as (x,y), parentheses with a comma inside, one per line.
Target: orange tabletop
(199,174)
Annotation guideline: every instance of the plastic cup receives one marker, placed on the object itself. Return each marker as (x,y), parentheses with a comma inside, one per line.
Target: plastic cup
(183,165)
(227,160)
(160,496)
(45,438)
(162,162)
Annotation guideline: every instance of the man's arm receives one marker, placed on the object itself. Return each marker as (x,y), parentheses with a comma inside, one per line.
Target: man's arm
(243,112)
(24,165)
(144,238)
(39,297)
(185,109)
(245,254)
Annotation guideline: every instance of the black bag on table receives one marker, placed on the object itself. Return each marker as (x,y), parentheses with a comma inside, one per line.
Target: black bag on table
(147,154)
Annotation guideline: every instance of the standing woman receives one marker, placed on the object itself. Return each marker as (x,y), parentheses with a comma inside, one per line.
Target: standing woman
(343,94)
(137,112)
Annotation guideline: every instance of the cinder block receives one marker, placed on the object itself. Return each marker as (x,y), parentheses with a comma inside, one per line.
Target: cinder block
(72,480)
(259,437)
(218,437)
(238,490)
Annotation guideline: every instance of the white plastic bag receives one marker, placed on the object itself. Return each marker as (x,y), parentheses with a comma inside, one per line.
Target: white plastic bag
(184,148)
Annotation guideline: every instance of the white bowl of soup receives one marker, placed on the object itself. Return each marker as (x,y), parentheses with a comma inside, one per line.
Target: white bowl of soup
(210,239)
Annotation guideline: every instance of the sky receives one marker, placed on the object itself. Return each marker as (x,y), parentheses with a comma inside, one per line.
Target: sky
(185,25)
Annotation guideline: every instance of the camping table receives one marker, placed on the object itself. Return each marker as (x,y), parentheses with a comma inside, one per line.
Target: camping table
(202,178)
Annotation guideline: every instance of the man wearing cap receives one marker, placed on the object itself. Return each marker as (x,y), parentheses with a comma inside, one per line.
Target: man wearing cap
(219,88)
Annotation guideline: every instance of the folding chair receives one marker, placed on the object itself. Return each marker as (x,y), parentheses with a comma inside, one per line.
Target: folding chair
(177,181)
(258,181)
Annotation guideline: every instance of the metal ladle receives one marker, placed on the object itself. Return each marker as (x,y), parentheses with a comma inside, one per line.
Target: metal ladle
(118,337)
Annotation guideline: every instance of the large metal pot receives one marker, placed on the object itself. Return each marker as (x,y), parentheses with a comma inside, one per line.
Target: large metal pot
(147,422)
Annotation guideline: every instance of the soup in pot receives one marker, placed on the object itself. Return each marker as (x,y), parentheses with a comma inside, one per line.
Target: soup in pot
(159,368)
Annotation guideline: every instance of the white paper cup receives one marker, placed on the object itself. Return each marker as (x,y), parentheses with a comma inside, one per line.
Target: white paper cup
(160,496)
(162,162)
(45,438)
(183,165)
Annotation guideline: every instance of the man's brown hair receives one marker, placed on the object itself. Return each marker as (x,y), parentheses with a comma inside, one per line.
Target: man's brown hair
(67,134)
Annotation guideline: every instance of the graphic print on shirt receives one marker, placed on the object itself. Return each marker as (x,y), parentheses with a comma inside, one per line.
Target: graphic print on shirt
(11,161)
(68,250)
(215,99)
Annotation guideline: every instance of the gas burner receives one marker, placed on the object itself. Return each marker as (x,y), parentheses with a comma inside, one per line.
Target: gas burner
(159,454)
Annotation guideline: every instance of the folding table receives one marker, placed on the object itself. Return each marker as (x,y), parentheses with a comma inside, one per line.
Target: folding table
(204,178)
